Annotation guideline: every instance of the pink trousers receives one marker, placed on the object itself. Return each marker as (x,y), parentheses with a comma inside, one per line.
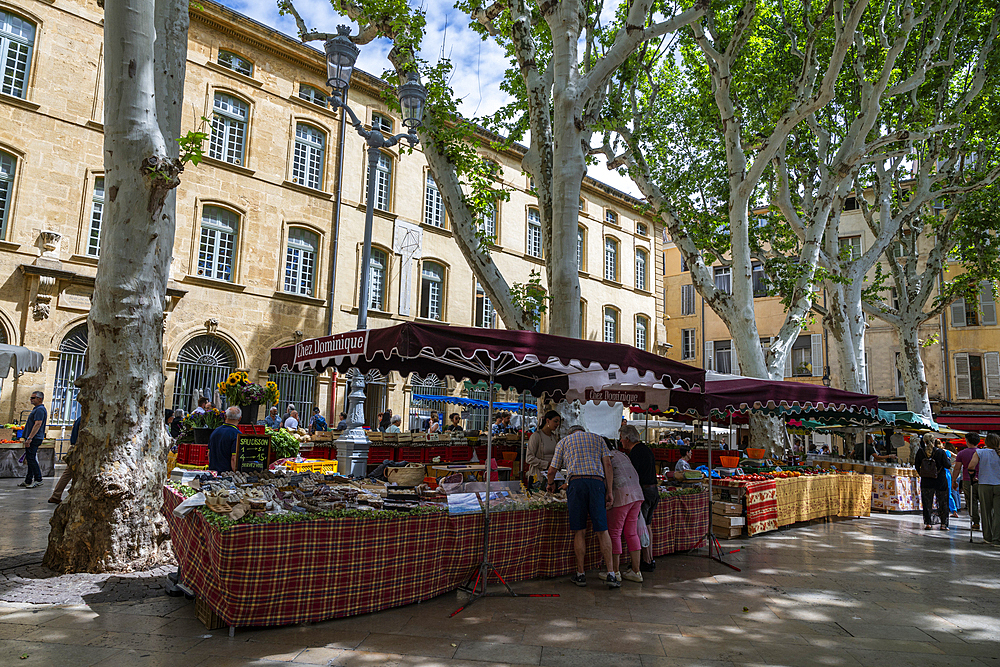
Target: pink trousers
(620,518)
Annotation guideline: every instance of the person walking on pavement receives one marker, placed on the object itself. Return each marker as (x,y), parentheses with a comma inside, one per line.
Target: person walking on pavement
(969,479)
(34,433)
(986,462)
(67,475)
(591,480)
(931,463)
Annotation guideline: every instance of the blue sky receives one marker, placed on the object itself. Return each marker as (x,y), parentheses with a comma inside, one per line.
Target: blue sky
(479,65)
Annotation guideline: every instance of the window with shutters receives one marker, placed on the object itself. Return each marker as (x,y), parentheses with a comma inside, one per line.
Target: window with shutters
(802,361)
(17,42)
(724,279)
(433,203)
(229,129)
(991,365)
(610,325)
(96,218)
(534,238)
(484,308)
(300,262)
(640,269)
(307,157)
(687,299)
(581,248)
(976,377)
(610,259)
(687,343)
(382,123)
(378,268)
(987,303)
(642,332)
(217,244)
(237,63)
(8,165)
(314,95)
(432,291)
(964,315)
(383,183)
(759,281)
(723,351)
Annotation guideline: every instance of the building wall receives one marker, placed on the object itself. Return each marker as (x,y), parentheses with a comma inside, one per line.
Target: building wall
(55,134)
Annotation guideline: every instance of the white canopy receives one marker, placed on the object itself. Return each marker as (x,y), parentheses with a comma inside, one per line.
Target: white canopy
(19,359)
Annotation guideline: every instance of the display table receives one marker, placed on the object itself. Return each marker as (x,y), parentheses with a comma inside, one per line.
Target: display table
(818,496)
(311,570)
(10,452)
(761,504)
(896,493)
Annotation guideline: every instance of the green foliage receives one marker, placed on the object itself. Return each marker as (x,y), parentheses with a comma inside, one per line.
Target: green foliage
(192,144)
(530,297)
(282,443)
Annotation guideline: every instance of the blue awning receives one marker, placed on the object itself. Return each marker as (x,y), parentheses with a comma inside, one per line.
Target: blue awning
(474,402)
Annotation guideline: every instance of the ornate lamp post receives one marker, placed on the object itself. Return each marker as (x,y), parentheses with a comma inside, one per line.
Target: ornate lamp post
(341,55)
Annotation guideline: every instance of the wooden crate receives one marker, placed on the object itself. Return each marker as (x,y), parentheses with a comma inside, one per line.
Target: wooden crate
(727,533)
(322,436)
(728,522)
(205,614)
(727,509)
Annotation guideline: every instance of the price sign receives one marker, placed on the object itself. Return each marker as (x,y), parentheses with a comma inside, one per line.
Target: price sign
(253,452)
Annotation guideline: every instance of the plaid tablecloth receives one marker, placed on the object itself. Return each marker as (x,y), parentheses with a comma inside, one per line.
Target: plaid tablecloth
(814,497)
(307,571)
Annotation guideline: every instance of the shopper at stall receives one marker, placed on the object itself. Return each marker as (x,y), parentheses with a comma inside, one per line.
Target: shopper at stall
(34,433)
(968,479)
(684,463)
(394,424)
(591,479)
(644,463)
(222,443)
(292,423)
(177,425)
(541,447)
(427,422)
(435,425)
(203,404)
(931,463)
(386,420)
(342,424)
(986,463)
(624,514)
(317,422)
(456,422)
(272,420)
(498,426)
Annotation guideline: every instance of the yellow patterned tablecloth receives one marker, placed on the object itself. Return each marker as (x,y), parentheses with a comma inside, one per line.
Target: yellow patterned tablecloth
(815,497)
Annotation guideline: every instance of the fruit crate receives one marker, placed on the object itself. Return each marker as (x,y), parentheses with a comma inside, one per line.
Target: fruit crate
(463,453)
(182,452)
(412,454)
(251,429)
(197,455)
(377,454)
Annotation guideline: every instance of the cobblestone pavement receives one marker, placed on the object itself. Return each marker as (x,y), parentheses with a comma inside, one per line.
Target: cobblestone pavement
(875,591)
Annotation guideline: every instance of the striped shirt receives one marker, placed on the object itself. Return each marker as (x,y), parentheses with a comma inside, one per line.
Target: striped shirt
(581,453)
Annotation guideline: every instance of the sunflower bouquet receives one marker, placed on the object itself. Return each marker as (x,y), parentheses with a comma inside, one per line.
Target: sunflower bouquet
(271,393)
(238,390)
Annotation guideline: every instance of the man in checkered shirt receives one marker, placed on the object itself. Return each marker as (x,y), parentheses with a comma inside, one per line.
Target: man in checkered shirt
(588,468)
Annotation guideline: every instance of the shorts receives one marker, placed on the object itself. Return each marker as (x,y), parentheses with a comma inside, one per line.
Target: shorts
(586,497)
(650,499)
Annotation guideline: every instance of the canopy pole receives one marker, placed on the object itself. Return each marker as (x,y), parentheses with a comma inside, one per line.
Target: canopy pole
(713,541)
(477,584)
(521,460)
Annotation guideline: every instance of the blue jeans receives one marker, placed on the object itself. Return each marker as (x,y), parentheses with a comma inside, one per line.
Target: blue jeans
(31,460)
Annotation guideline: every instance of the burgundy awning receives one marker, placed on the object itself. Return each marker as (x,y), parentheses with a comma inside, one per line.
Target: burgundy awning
(524,360)
(970,421)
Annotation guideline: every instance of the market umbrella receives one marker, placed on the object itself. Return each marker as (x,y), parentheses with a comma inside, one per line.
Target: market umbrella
(21,360)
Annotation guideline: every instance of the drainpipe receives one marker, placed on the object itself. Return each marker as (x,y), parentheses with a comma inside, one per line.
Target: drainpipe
(944,345)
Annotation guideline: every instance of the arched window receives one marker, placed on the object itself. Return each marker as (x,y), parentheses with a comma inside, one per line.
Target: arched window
(236,63)
(642,332)
(17,40)
(383,183)
(377,268)
(217,246)
(534,245)
(610,325)
(202,363)
(71,365)
(610,259)
(376,396)
(300,262)
(433,203)
(640,269)
(307,157)
(310,94)
(432,291)
(229,129)
(420,410)
(8,164)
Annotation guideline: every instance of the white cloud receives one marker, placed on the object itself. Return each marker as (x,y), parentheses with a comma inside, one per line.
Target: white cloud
(479,66)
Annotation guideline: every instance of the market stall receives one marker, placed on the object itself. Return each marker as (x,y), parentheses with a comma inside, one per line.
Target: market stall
(21,360)
(255,572)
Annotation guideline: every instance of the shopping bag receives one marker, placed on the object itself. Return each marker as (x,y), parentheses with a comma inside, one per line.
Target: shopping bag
(643,531)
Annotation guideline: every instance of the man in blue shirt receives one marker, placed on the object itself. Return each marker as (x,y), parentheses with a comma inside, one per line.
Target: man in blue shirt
(222,443)
(34,432)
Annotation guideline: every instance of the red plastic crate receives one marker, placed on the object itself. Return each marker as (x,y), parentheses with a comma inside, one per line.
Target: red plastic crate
(320,453)
(660,454)
(251,429)
(431,452)
(379,453)
(197,455)
(412,454)
(462,453)
(182,453)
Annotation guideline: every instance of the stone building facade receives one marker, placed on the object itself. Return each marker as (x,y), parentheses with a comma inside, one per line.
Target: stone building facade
(269,225)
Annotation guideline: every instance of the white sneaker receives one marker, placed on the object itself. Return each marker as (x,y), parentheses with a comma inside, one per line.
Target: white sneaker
(633,576)
(604,576)
(34,485)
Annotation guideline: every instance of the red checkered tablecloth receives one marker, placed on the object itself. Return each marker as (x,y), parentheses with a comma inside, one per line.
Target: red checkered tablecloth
(307,571)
